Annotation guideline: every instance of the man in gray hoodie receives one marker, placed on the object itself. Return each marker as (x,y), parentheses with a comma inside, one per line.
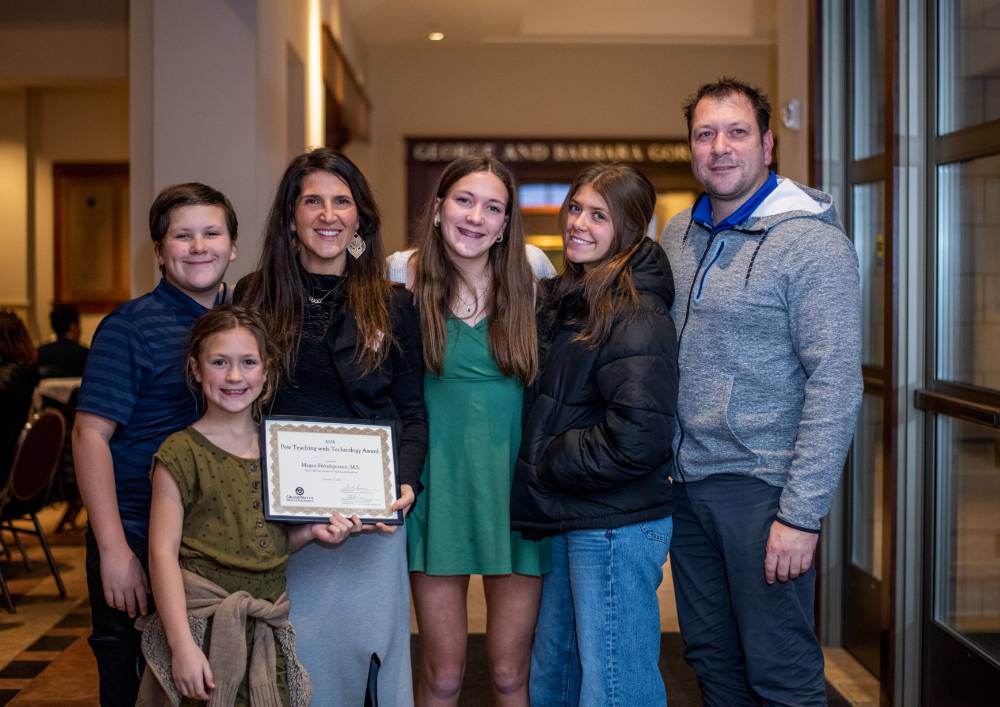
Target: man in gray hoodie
(768,312)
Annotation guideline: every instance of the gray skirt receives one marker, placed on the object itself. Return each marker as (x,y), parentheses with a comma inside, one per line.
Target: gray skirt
(348,602)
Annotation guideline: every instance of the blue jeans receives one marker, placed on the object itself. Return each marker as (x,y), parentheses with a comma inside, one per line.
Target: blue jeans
(598,637)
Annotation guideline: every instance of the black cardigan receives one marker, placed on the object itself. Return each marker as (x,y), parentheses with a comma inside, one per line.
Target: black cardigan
(596,446)
(392,393)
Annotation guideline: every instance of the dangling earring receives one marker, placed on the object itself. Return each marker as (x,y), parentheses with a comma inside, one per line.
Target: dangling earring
(357,246)
(500,237)
(437,221)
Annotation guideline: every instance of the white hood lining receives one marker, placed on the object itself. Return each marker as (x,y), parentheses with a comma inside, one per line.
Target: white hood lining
(789,197)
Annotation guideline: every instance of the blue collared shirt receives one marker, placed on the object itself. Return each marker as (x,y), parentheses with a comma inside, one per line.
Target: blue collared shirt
(135,377)
(701,212)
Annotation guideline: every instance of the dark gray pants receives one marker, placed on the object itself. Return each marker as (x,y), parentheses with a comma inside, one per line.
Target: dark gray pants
(751,643)
(114,640)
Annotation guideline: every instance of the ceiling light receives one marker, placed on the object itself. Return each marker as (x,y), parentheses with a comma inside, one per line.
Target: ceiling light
(435,36)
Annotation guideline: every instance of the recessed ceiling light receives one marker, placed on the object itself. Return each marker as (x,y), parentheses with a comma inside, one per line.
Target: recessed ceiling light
(435,36)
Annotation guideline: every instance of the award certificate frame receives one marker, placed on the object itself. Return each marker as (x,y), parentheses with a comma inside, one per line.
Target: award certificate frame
(313,467)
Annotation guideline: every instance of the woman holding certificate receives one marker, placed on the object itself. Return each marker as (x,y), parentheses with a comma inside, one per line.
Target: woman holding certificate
(593,465)
(475,291)
(350,345)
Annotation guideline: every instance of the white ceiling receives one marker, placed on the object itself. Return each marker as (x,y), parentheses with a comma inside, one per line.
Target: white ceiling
(715,22)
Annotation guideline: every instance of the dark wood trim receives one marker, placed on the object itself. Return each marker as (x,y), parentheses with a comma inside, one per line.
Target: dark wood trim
(870,169)
(888,589)
(874,379)
(980,140)
(940,403)
(984,397)
(119,258)
(814,100)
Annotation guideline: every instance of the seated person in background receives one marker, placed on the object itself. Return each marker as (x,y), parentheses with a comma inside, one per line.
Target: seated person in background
(18,378)
(65,357)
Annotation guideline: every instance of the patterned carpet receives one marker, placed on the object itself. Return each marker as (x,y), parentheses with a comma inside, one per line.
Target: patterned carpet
(680,680)
(45,660)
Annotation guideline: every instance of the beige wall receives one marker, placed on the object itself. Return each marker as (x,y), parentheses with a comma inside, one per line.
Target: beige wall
(38,127)
(531,90)
(58,50)
(68,125)
(14,199)
(793,84)
(230,127)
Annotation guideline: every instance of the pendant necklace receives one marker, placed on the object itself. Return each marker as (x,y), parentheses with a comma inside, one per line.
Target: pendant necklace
(473,306)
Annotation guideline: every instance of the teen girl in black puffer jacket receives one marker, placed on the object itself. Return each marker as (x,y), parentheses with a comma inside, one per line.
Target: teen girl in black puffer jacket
(595,454)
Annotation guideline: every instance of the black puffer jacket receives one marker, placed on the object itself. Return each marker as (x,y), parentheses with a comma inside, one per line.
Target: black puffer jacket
(596,447)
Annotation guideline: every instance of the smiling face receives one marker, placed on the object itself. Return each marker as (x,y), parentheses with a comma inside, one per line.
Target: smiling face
(326,219)
(472,216)
(196,251)
(230,370)
(588,233)
(729,156)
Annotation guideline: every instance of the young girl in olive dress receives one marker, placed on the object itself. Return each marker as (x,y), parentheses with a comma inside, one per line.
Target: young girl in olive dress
(217,567)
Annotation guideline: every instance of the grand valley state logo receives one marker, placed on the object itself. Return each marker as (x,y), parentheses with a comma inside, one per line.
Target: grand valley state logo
(299,496)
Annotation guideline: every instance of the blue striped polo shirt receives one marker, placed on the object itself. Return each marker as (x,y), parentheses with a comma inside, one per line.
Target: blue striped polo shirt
(135,377)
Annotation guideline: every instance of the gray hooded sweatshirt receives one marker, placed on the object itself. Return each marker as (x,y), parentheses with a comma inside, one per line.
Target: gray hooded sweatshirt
(768,317)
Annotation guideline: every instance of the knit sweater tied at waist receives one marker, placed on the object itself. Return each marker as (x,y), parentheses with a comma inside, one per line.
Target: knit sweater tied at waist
(227,654)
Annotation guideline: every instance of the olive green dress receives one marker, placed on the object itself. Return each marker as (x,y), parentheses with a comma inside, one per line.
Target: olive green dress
(461,522)
(225,538)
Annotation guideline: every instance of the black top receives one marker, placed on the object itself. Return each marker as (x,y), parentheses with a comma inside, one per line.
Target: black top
(328,382)
(62,359)
(312,387)
(596,447)
(17,385)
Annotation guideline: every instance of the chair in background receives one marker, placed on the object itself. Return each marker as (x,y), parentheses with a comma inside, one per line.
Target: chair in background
(35,465)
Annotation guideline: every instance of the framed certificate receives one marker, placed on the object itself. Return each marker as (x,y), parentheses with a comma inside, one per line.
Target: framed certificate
(315,466)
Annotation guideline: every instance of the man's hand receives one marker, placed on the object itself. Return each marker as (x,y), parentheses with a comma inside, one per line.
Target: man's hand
(125,584)
(789,552)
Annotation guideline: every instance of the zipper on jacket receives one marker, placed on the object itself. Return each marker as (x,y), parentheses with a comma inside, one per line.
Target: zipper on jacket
(708,269)
(680,338)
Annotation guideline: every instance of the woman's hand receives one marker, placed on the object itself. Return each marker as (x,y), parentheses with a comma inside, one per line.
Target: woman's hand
(403,503)
(192,673)
(337,530)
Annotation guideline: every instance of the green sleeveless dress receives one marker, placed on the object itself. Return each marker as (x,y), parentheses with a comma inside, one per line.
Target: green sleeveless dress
(461,522)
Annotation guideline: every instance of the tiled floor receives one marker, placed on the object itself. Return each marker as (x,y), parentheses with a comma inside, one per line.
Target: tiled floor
(45,660)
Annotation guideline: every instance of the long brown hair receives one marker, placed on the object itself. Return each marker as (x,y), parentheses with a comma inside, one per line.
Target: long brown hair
(277,291)
(15,343)
(608,288)
(226,318)
(510,301)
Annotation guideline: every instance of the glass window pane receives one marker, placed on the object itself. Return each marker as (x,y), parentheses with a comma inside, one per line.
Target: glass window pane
(869,78)
(968,63)
(968,272)
(967,572)
(868,233)
(866,489)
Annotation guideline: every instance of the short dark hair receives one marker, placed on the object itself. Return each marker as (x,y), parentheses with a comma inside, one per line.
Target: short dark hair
(189,194)
(62,317)
(725,87)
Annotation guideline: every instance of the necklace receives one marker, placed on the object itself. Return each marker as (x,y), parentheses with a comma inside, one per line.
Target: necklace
(472,307)
(324,295)
(319,300)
